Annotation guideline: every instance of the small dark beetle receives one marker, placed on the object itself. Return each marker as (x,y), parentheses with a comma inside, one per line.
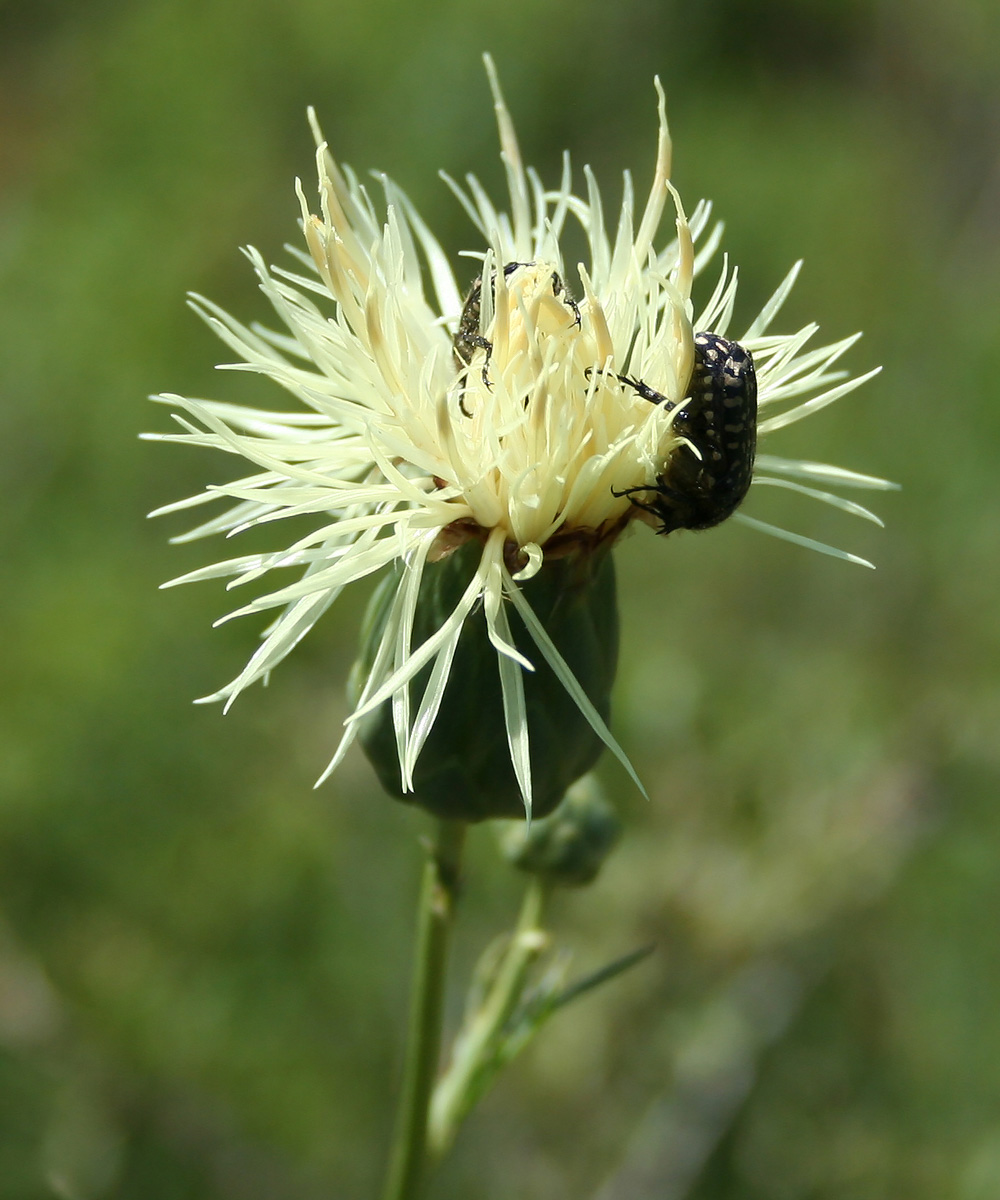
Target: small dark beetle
(720,421)
(468,339)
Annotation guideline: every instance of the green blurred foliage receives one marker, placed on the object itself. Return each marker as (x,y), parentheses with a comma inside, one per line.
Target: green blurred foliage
(204,963)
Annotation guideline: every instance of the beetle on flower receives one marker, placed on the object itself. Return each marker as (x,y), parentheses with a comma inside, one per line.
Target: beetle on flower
(508,434)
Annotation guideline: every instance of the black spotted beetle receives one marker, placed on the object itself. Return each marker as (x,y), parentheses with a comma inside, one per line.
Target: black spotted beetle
(708,474)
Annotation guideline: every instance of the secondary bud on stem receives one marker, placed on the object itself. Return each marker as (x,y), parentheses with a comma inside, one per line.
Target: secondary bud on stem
(569,846)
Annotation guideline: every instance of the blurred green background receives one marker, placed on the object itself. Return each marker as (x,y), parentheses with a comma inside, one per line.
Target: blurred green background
(203,962)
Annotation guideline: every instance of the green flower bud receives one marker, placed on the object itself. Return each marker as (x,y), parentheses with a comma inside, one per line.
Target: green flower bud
(569,846)
(464,770)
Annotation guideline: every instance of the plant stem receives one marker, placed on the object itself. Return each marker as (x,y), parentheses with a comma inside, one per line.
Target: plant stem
(437,905)
(457,1091)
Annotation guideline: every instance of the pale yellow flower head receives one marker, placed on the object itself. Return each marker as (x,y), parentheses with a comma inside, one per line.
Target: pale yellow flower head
(429,416)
